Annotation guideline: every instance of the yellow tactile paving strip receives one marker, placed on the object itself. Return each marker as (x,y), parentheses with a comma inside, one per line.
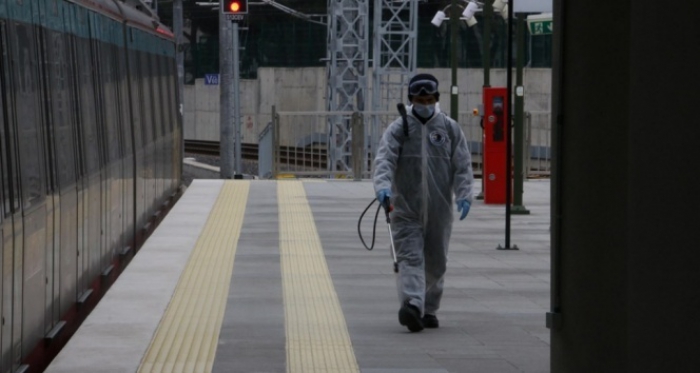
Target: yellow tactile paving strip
(317,336)
(187,336)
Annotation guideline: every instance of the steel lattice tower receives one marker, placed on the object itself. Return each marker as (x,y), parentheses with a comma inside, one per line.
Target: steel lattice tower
(394,57)
(348,29)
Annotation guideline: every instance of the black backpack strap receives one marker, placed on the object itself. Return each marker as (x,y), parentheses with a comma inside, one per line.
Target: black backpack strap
(404,117)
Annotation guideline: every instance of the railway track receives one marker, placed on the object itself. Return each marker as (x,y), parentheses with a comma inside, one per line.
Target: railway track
(289,155)
(296,156)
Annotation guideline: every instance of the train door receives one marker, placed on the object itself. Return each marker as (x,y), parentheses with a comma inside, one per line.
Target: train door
(78,32)
(61,262)
(136,98)
(157,122)
(92,143)
(166,94)
(53,207)
(29,277)
(114,141)
(128,191)
(104,120)
(7,206)
(3,191)
(148,124)
(175,125)
(159,104)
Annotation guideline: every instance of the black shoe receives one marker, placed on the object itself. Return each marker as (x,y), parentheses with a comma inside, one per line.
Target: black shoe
(430,321)
(409,315)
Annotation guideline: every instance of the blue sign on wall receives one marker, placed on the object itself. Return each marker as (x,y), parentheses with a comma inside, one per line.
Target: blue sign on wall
(211,79)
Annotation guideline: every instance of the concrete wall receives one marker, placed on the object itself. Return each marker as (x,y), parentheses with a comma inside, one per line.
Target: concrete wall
(304,89)
(202,110)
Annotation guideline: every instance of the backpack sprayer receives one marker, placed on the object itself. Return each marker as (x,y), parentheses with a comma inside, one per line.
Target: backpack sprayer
(387,204)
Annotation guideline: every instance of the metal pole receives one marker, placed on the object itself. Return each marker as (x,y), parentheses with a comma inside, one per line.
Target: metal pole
(509,128)
(486,52)
(518,207)
(554,316)
(180,57)
(237,101)
(454,91)
(486,61)
(358,145)
(275,143)
(225,104)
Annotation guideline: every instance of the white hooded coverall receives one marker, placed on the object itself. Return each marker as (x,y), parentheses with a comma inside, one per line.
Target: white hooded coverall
(423,172)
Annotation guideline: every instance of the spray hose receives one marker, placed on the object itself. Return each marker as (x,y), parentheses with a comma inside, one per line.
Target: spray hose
(387,209)
(374,230)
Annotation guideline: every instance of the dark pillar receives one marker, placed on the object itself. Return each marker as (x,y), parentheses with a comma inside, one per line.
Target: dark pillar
(625,189)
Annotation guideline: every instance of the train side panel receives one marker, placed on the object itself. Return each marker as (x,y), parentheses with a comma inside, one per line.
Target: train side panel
(29,248)
(89,151)
(60,127)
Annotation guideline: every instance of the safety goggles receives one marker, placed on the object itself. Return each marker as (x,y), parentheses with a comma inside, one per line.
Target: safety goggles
(422,87)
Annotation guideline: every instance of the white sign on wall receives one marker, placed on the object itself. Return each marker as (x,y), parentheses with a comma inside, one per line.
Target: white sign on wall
(533,6)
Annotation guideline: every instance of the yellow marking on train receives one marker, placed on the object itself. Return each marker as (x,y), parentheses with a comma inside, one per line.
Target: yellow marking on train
(317,335)
(187,336)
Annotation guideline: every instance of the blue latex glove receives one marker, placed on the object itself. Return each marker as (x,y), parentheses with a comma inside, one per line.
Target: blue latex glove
(463,206)
(383,195)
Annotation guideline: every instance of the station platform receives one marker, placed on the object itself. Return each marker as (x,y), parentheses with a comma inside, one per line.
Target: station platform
(270,276)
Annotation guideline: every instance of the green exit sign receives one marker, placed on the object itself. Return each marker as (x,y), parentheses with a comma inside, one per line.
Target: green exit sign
(540,24)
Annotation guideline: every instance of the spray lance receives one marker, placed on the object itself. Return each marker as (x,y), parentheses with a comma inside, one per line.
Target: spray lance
(387,209)
(387,204)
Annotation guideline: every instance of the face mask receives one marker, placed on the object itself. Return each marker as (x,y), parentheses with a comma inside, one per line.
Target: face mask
(425,111)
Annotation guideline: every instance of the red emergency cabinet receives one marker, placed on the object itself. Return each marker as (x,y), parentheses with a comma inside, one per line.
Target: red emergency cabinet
(496,119)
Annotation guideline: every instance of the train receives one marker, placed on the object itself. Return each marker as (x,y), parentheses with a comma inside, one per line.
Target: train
(90,158)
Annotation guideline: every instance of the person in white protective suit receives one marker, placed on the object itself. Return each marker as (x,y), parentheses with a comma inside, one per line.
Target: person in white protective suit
(419,171)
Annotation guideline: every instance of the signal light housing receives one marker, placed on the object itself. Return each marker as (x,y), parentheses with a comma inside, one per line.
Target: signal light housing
(234,6)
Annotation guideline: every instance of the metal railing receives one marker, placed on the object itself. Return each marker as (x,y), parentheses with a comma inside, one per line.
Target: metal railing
(302,144)
(538,143)
(266,145)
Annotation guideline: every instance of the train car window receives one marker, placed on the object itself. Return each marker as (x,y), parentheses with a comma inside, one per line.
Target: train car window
(46,76)
(161,93)
(4,186)
(167,90)
(86,95)
(4,166)
(147,96)
(116,54)
(74,84)
(135,94)
(60,106)
(88,104)
(157,98)
(26,99)
(172,94)
(123,98)
(108,88)
(8,166)
(96,66)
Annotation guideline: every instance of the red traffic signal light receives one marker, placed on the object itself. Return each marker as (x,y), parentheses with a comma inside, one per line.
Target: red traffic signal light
(235,6)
